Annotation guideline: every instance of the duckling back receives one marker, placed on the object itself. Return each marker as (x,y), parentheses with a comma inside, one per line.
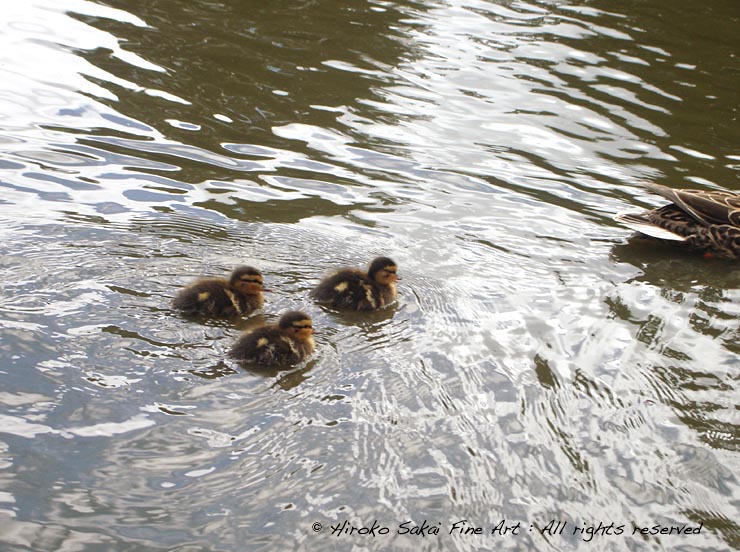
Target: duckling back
(215,297)
(349,289)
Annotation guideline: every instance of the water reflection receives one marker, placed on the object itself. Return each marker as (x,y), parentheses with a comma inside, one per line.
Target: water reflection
(536,367)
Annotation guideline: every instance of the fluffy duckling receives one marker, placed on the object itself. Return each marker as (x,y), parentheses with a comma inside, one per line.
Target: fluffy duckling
(706,221)
(240,294)
(289,341)
(352,289)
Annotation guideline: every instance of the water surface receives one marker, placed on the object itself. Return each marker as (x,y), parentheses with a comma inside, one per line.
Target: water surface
(538,366)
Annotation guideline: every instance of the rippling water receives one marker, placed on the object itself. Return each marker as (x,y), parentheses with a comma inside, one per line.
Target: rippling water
(537,368)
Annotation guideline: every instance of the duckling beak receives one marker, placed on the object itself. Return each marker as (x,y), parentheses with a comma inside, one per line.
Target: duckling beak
(266,290)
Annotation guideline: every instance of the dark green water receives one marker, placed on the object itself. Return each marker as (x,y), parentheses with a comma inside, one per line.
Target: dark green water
(537,369)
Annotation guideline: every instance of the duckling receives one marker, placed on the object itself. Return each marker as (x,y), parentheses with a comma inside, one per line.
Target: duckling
(240,294)
(352,289)
(705,221)
(289,341)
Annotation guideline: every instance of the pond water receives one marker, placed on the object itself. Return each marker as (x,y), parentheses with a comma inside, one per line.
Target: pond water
(539,369)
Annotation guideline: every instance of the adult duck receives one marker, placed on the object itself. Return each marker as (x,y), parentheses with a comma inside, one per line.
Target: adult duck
(703,220)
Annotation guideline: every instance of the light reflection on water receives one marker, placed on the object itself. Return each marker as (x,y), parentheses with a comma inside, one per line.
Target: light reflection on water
(535,368)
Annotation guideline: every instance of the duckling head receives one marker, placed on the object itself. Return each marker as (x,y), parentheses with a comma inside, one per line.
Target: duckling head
(296,324)
(383,271)
(247,280)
